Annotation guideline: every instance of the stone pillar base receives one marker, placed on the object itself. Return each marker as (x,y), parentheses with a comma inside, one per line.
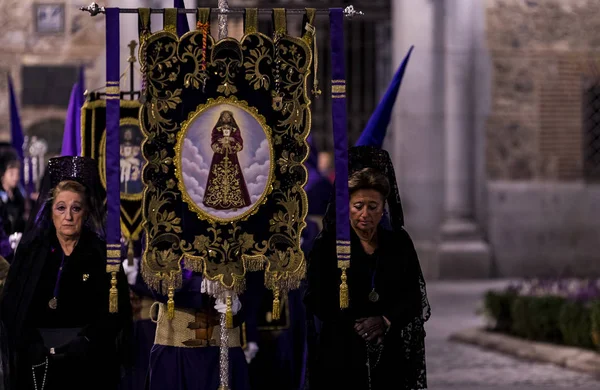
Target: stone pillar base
(462,252)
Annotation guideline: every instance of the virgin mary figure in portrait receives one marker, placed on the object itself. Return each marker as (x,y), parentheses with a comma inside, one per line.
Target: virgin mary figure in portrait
(226,188)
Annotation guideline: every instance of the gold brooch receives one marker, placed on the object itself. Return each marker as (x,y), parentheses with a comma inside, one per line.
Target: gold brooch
(86,277)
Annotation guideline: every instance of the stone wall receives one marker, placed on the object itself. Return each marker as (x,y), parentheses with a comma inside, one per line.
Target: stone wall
(80,43)
(542,217)
(544,229)
(541,53)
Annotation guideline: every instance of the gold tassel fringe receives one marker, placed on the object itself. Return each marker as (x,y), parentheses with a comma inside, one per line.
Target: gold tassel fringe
(344,298)
(113,299)
(229,313)
(171,303)
(276,305)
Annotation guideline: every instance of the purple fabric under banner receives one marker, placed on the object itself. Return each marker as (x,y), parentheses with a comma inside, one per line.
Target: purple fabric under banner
(113,118)
(178,368)
(340,137)
(143,331)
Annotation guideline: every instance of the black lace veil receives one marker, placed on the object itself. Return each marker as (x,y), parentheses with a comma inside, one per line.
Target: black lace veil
(360,157)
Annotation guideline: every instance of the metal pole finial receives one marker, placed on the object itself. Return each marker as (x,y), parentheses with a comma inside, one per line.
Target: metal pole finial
(94,9)
(350,11)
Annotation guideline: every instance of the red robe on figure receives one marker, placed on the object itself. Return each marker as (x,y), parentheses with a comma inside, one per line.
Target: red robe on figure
(226,188)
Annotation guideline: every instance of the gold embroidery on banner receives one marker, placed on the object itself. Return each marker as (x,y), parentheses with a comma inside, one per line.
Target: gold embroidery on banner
(261,54)
(295,71)
(196,53)
(284,269)
(227,68)
(210,246)
(289,162)
(161,64)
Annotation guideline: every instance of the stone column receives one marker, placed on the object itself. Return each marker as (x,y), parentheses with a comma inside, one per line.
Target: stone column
(462,252)
(415,137)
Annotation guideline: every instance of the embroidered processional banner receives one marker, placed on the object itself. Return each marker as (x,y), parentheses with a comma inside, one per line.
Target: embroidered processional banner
(93,140)
(226,125)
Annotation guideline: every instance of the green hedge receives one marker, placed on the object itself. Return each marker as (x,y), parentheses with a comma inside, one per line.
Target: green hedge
(547,319)
(595,323)
(537,318)
(576,324)
(498,307)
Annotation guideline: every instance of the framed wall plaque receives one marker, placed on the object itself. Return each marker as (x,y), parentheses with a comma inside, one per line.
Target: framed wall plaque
(49,18)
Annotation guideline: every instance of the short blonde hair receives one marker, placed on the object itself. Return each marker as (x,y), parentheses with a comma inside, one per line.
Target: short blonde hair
(369,178)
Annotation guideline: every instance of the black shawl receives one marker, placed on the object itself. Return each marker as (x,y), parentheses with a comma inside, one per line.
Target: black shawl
(403,296)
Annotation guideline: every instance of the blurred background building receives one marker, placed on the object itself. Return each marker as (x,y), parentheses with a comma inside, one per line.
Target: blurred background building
(496,132)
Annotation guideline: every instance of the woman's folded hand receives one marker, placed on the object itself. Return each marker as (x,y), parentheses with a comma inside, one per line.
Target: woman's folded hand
(370,328)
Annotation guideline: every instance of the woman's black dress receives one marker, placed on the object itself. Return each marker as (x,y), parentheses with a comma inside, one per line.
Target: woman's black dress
(92,355)
(393,270)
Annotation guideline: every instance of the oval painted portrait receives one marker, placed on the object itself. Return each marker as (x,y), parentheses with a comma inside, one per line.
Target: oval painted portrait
(131,159)
(225,160)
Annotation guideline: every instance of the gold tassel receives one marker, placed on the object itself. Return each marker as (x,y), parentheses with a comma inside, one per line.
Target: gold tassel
(276,305)
(344,299)
(228,313)
(113,299)
(130,253)
(171,303)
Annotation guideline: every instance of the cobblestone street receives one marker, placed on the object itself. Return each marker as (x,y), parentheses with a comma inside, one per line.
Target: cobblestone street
(456,366)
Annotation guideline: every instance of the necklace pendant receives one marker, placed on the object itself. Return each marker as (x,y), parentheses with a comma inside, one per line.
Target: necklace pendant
(53,303)
(373,296)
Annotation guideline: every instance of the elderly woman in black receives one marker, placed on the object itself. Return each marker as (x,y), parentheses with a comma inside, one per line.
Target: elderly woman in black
(55,305)
(379,338)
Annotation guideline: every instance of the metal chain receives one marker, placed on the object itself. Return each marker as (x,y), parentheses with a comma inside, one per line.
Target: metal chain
(371,349)
(45,364)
